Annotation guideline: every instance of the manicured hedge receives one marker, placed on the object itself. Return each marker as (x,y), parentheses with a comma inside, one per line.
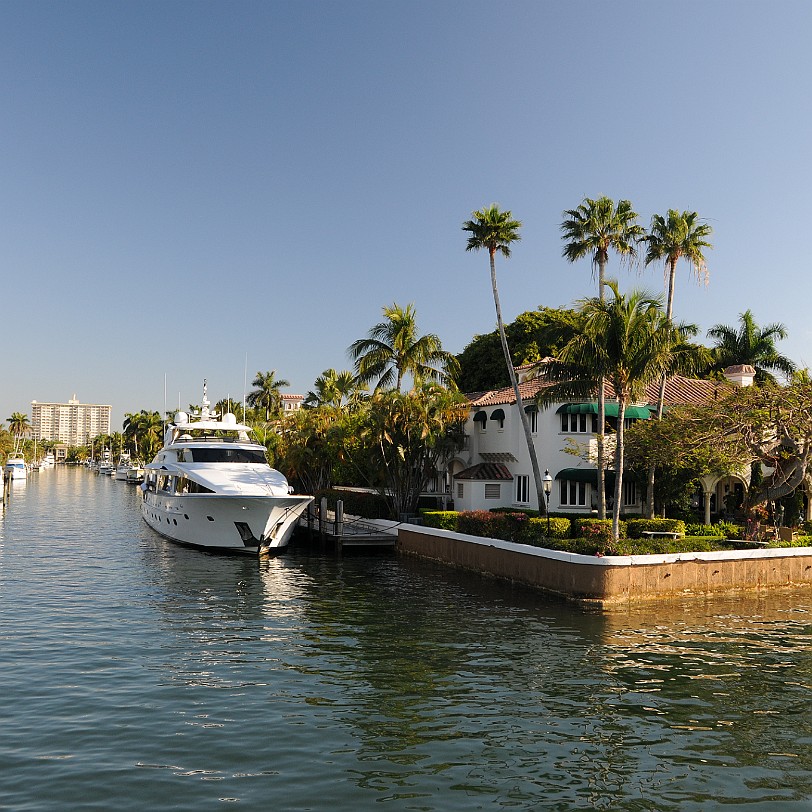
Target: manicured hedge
(441,519)
(635,527)
(659,546)
(507,525)
(593,536)
(581,546)
(537,530)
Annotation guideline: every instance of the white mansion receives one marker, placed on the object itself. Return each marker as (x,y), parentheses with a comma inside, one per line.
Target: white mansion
(494,470)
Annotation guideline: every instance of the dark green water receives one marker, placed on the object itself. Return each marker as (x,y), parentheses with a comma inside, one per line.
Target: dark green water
(140,675)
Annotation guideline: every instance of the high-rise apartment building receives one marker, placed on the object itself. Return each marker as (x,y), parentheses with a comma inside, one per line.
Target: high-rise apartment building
(72,423)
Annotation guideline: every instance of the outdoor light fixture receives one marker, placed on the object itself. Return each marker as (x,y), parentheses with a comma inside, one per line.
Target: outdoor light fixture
(548,487)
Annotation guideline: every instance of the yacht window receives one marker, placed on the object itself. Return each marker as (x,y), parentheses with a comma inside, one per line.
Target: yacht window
(242,455)
(196,487)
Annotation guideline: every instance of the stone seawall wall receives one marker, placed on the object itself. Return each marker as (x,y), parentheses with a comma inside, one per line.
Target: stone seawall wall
(613,579)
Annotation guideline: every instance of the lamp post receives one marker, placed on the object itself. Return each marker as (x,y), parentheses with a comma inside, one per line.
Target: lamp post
(548,487)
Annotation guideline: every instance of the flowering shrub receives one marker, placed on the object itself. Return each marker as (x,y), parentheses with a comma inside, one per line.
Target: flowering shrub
(759,512)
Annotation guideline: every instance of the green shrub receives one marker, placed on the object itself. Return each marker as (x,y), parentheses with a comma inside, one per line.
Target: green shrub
(801,541)
(526,511)
(692,529)
(536,532)
(730,530)
(806,527)
(660,546)
(441,519)
(582,546)
(635,527)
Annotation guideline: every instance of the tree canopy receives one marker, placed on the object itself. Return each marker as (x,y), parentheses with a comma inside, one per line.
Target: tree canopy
(394,349)
(753,345)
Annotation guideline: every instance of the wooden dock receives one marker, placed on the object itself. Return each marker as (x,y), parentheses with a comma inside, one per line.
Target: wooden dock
(332,527)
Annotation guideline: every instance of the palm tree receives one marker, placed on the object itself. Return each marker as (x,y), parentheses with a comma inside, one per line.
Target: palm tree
(267,395)
(145,430)
(752,345)
(333,388)
(19,427)
(18,424)
(627,341)
(494,231)
(678,235)
(393,348)
(593,229)
(130,430)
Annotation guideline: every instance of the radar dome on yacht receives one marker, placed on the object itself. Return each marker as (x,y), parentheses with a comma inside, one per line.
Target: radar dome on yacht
(181,418)
(229,419)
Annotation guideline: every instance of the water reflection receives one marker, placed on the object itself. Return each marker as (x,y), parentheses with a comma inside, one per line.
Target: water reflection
(374,678)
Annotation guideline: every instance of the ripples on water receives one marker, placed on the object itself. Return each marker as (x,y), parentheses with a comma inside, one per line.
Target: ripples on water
(140,675)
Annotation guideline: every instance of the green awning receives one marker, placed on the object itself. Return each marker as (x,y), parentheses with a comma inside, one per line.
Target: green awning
(531,408)
(481,416)
(589,475)
(498,414)
(637,412)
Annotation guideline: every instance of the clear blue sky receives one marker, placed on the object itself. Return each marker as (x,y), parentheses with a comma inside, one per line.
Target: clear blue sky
(185,183)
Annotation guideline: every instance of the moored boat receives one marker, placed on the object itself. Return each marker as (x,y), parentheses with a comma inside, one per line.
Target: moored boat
(15,467)
(211,487)
(123,467)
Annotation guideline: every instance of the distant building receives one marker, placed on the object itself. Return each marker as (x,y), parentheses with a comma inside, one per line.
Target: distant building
(72,423)
(292,403)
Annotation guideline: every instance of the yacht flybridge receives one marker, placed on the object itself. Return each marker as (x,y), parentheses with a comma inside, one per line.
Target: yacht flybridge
(211,487)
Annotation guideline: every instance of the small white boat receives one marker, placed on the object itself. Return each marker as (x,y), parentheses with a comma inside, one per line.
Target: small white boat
(123,467)
(211,487)
(135,474)
(48,461)
(15,467)
(105,465)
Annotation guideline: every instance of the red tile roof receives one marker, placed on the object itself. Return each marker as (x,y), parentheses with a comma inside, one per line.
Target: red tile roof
(678,390)
(490,471)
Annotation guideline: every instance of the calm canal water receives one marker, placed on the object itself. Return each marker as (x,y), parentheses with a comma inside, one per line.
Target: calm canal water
(140,675)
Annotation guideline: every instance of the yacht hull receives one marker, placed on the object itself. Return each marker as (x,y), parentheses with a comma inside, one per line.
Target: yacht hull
(224,523)
(17,471)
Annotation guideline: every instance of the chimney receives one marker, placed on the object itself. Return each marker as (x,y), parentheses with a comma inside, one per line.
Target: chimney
(740,375)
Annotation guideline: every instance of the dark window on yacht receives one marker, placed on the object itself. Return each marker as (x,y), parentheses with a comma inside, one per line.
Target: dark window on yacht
(226,455)
(196,487)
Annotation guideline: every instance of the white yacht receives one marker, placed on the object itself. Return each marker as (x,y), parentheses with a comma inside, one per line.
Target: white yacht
(211,487)
(15,467)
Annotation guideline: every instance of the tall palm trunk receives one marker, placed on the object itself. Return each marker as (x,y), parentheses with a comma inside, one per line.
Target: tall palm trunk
(652,472)
(621,415)
(601,410)
(531,448)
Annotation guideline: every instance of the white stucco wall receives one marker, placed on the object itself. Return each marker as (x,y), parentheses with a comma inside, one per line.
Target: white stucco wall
(550,442)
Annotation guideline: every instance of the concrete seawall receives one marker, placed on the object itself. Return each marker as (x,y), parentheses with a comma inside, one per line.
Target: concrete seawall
(613,579)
